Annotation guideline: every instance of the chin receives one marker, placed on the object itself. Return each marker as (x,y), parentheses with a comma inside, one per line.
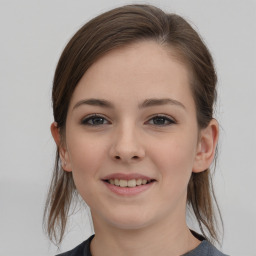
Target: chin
(130,220)
(129,224)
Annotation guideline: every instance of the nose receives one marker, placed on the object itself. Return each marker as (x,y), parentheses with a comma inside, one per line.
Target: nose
(127,146)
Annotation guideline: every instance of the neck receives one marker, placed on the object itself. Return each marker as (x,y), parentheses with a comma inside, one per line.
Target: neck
(169,237)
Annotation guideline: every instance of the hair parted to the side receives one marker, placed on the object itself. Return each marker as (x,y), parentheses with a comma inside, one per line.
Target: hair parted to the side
(117,28)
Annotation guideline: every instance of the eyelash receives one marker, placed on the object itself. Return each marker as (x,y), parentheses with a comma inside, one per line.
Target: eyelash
(86,120)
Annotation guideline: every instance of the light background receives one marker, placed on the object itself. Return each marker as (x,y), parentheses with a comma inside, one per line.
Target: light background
(33,34)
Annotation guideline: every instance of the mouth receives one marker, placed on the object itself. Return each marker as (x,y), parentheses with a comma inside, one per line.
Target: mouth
(129,183)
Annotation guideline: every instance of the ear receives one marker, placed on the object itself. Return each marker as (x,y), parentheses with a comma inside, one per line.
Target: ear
(64,156)
(207,143)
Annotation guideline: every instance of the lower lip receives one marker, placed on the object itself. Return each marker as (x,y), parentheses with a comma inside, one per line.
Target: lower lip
(126,191)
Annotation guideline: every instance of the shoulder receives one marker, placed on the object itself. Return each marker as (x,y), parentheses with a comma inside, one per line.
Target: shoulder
(205,248)
(213,251)
(82,249)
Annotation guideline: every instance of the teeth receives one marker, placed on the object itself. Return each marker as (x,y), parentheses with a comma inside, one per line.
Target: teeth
(138,182)
(128,183)
(131,183)
(123,183)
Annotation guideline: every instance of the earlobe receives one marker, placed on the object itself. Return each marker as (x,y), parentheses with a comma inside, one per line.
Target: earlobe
(206,146)
(62,149)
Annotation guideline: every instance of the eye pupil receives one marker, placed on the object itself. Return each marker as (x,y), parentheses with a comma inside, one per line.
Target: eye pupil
(97,120)
(159,120)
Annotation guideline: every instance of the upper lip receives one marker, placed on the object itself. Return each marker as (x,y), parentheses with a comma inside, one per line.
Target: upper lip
(123,176)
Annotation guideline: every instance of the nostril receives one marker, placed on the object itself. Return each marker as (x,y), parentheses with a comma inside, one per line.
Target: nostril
(134,157)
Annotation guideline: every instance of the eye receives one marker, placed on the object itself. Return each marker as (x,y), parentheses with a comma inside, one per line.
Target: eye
(161,120)
(94,120)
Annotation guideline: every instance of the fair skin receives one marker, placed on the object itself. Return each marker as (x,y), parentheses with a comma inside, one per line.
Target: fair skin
(128,141)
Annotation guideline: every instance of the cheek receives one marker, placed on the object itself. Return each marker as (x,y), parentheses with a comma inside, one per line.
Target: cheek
(85,154)
(175,158)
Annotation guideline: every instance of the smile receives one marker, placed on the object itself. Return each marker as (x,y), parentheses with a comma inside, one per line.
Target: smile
(128,183)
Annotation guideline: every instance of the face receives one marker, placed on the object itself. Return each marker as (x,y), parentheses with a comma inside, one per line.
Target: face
(132,120)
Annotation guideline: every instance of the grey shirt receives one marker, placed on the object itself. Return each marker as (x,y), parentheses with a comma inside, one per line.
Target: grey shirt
(205,248)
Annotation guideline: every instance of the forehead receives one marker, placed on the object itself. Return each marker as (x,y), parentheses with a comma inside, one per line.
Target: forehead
(142,69)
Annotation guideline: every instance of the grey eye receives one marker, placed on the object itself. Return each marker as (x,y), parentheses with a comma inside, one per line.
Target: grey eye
(94,120)
(161,121)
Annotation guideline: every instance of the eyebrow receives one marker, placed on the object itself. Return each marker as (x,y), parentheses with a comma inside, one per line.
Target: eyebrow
(94,102)
(145,104)
(159,102)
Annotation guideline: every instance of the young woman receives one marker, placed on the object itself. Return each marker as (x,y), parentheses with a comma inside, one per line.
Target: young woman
(133,98)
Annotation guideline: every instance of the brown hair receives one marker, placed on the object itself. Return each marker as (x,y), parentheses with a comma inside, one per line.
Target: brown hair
(116,28)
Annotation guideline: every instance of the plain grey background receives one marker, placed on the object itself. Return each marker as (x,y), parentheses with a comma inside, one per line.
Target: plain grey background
(33,34)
